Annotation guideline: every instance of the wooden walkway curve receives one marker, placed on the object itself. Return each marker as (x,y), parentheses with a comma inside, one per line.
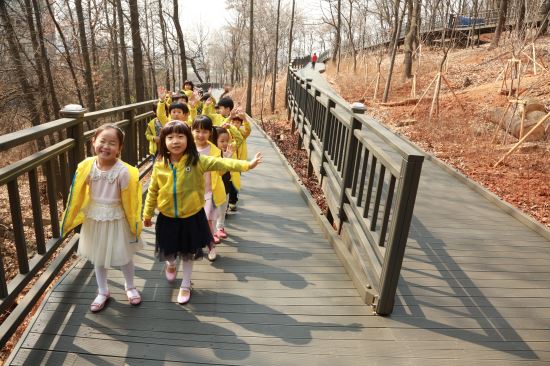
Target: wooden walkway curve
(475,288)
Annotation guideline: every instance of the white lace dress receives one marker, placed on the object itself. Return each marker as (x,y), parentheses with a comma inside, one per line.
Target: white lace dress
(105,237)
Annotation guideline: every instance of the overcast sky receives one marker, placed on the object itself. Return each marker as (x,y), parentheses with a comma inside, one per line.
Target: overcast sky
(213,15)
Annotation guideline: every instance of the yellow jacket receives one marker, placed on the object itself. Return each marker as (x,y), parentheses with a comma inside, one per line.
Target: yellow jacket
(242,150)
(218,188)
(164,119)
(79,197)
(152,131)
(177,190)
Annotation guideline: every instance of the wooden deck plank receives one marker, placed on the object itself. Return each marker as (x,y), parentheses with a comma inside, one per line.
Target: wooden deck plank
(475,288)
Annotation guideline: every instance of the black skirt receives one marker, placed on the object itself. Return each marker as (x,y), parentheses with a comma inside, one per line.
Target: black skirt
(183,237)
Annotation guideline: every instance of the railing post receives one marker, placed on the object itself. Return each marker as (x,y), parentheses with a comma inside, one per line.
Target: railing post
(316,93)
(301,109)
(306,114)
(330,105)
(288,76)
(355,124)
(130,140)
(77,133)
(399,232)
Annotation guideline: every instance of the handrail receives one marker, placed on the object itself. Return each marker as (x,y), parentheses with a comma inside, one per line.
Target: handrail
(50,169)
(369,174)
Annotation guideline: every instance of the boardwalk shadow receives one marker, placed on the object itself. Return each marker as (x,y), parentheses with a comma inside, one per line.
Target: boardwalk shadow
(243,270)
(274,252)
(159,330)
(265,320)
(494,330)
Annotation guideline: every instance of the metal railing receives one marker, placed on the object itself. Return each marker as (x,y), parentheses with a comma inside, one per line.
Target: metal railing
(48,172)
(369,176)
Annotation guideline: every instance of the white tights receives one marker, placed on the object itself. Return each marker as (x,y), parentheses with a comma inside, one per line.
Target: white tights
(101,277)
(187,269)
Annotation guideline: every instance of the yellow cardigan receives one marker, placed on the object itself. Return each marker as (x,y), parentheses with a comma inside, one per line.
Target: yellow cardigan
(177,190)
(79,197)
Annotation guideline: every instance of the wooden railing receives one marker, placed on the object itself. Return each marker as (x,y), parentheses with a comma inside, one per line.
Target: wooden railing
(370,179)
(48,173)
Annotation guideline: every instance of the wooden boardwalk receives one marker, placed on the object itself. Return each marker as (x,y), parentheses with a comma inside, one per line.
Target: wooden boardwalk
(475,289)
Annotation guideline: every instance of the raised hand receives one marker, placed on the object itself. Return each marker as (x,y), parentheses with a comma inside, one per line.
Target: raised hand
(256,161)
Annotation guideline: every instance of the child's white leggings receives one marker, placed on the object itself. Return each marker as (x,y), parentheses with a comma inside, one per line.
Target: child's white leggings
(220,223)
(101,277)
(187,268)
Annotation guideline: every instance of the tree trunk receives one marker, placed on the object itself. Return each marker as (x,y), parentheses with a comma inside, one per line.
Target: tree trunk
(545,13)
(164,47)
(9,33)
(409,43)
(180,41)
(520,24)
(67,53)
(46,60)
(503,8)
(290,34)
(85,56)
(38,61)
(274,77)
(250,55)
(336,50)
(115,66)
(95,59)
(393,54)
(123,56)
(136,51)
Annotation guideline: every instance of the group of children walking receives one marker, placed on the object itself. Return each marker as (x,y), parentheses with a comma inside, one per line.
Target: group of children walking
(199,149)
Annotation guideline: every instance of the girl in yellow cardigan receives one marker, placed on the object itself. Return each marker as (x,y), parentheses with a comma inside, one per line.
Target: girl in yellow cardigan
(177,190)
(105,197)
(214,191)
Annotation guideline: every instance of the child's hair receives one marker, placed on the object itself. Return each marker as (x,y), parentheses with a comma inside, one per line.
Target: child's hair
(181,106)
(205,123)
(220,131)
(225,102)
(183,96)
(178,127)
(106,126)
(189,82)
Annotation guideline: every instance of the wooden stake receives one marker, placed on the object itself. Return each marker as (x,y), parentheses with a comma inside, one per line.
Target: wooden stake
(452,91)
(413,88)
(534,60)
(500,122)
(376,86)
(522,121)
(542,120)
(435,99)
(425,92)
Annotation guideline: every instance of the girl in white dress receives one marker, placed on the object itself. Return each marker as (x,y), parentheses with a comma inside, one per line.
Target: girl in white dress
(106,198)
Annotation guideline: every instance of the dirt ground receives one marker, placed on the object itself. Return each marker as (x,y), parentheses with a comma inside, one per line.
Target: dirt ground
(462,135)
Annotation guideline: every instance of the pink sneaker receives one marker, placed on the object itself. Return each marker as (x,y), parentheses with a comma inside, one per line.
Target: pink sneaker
(221,233)
(216,239)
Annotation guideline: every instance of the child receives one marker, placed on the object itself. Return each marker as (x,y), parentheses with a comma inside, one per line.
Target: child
(177,190)
(227,151)
(204,135)
(224,107)
(105,197)
(176,110)
(239,121)
(152,133)
(188,88)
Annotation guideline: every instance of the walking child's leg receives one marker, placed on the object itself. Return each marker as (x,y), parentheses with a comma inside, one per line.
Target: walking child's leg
(134,298)
(101,278)
(220,223)
(103,289)
(185,289)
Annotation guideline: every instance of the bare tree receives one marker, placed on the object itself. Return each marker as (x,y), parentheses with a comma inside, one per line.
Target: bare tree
(123,53)
(410,41)
(274,78)
(503,9)
(250,61)
(181,43)
(85,56)
(164,47)
(290,34)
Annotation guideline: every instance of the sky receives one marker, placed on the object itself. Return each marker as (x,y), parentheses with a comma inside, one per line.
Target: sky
(212,13)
